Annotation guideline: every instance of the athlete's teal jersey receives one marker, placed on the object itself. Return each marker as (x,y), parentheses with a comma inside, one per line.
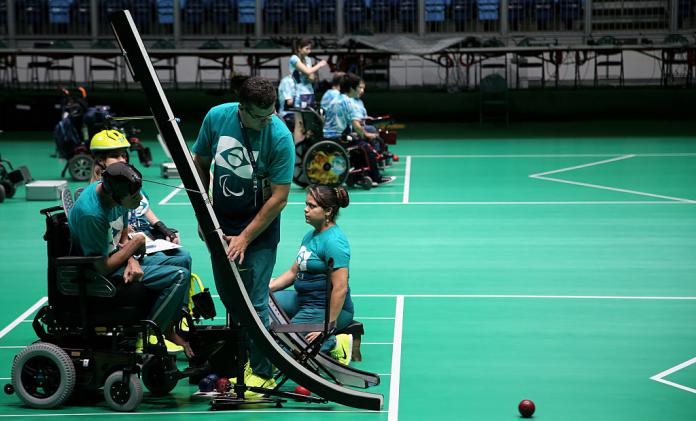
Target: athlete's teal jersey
(312,258)
(97,227)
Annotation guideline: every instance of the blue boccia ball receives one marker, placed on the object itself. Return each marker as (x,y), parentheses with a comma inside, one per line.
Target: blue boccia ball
(206,385)
(213,377)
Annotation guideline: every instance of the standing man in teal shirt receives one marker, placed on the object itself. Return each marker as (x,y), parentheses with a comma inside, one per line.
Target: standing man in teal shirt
(253,156)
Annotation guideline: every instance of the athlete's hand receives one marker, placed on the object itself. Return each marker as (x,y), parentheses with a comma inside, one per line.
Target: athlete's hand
(133,271)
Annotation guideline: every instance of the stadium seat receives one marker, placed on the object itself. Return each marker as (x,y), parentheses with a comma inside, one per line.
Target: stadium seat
(193,15)
(462,11)
(354,15)
(301,14)
(246,12)
(165,12)
(59,11)
(142,14)
(408,14)
(274,14)
(327,15)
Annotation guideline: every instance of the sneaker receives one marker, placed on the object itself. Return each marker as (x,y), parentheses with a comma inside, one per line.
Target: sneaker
(247,373)
(257,381)
(384,180)
(172,348)
(343,350)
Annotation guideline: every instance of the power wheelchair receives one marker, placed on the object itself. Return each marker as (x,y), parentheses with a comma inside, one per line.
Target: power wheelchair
(79,122)
(89,333)
(336,161)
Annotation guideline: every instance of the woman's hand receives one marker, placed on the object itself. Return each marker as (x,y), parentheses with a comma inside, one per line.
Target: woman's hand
(311,336)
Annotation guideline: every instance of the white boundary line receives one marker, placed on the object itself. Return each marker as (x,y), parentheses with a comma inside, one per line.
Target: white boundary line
(407,181)
(236,411)
(659,377)
(172,194)
(513,296)
(567,155)
(542,176)
(591,164)
(516,296)
(396,360)
(23,316)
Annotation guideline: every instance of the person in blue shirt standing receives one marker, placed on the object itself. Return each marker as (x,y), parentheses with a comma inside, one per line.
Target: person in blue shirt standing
(309,273)
(304,73)
(253,156)
(98,223)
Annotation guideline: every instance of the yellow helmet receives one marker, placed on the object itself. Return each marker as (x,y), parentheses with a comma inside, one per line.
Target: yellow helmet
(107,140)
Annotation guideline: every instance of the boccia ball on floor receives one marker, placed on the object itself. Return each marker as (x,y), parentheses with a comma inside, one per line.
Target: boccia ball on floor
(526,408)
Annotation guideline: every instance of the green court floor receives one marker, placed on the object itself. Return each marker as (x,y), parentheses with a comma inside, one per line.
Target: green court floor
(550,262)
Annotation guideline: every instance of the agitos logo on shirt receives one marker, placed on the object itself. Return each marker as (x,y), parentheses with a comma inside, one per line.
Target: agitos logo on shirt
(232,163)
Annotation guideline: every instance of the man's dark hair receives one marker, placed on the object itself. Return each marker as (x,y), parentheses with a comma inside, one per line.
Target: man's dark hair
(349,81)
(257,91)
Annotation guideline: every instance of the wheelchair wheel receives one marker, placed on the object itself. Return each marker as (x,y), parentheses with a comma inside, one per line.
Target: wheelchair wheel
(326,163)
(298,175)
(80,167)
(43,375)
(154,375)
(10,189)
(123,396)
(2,193)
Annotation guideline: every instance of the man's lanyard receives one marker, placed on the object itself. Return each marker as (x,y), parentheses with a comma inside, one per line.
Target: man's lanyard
(252,160)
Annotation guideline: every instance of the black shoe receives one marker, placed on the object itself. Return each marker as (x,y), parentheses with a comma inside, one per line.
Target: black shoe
(384,180)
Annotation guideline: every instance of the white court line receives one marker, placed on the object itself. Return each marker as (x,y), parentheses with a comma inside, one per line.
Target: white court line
(23,316)
(172,194)
(376,343)
(513,296)
(13,347)
(659,377)
(407,180)
(542,176)
(591,164)
(236,411)
(598,186)
(396,360)
(567,155)
(373,318)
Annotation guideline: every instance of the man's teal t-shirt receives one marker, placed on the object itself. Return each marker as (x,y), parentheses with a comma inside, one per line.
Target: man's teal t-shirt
(312,259)
(96,228)
(221,138)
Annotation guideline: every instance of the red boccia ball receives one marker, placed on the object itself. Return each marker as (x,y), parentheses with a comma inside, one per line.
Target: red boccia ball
(526,408)
(222,385)
(300,390)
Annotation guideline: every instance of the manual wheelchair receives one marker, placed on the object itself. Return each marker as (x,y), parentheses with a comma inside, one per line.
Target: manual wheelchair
(336,161)
(79,122)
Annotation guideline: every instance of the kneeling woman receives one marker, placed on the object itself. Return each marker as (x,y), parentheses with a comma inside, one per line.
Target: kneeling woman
(307,303)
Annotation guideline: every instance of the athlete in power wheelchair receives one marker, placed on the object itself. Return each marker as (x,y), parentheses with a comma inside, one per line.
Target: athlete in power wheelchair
(90,332)
(78,124)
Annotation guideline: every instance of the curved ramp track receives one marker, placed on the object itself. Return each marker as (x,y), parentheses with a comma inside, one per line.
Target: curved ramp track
(227,279)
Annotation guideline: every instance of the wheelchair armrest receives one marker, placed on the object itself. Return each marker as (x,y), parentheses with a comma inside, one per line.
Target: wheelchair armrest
(74,271)
(77,260)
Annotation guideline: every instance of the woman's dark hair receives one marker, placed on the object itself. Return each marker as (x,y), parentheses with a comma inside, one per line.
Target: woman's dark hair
(257,91)
(349,81)
(300,44)
(330,198)
(337,78)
